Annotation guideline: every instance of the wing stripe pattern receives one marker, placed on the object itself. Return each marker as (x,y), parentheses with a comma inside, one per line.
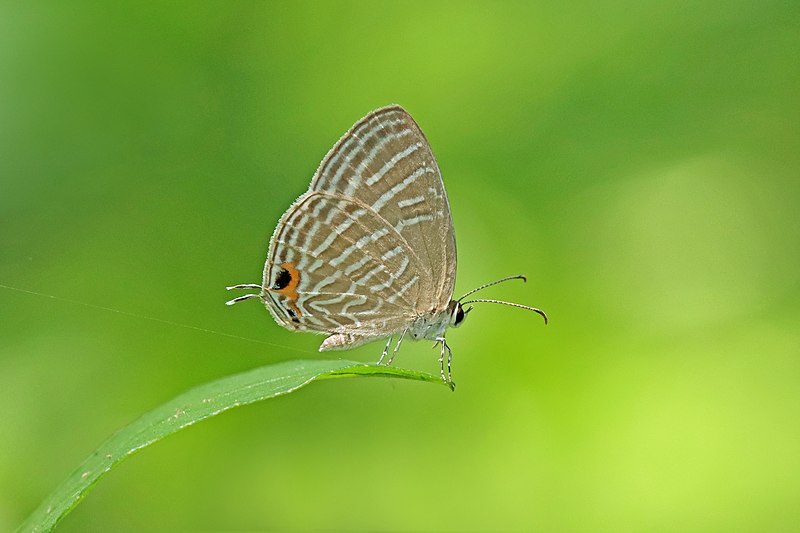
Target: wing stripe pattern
(372,180)
(372,240)
(334,293)
(355,167)
(348,147)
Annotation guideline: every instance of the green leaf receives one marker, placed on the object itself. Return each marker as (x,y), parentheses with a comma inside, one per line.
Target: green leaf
(190,407)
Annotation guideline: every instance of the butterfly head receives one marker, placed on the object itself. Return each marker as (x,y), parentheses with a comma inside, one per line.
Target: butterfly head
(457,313)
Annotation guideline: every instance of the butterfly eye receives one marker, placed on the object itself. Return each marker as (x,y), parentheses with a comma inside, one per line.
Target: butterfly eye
(458,316)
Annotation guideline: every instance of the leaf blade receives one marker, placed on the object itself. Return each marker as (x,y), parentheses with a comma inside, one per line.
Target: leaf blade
(190,407)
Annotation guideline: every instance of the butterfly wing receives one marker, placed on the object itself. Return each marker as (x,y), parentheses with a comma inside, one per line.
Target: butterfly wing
(371,244)
(385,162)
(334,267)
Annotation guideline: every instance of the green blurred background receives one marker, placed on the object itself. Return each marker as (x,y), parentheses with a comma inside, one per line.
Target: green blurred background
(639,161)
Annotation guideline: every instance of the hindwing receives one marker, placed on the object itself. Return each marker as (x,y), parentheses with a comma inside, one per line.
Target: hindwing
(335,266)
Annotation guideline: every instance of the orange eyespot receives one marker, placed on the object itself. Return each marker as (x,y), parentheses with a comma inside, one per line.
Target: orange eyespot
(286,284)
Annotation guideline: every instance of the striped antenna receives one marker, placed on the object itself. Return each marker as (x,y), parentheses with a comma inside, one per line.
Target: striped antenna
(535,310)
(473,291)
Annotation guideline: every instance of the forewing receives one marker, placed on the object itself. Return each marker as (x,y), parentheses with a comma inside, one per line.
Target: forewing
(385,163)
(335,266)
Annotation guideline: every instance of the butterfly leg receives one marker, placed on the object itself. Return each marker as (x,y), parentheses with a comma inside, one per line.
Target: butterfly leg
(446,377)
(397,347)
(386,351)
(449,360)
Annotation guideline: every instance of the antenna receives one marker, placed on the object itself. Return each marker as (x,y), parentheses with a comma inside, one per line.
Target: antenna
(535,310)
(518,276)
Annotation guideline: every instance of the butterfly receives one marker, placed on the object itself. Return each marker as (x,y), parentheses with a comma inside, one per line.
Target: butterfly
(369,251)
